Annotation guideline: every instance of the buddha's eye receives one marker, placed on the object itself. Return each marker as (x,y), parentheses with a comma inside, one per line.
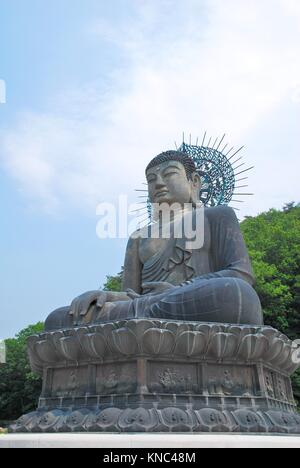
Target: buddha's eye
(168,174)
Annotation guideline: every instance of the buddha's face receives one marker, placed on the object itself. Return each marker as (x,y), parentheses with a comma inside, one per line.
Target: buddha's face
(168,183)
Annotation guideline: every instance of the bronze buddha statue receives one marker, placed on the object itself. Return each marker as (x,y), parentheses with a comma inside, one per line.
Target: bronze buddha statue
(166,279)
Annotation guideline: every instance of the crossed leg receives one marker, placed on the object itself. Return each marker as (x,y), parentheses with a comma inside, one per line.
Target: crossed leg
(220,300)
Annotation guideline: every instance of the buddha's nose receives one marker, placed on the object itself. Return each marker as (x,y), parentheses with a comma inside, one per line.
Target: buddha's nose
(159,182)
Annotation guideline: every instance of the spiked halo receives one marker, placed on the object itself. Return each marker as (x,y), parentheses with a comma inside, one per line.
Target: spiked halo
(219,170)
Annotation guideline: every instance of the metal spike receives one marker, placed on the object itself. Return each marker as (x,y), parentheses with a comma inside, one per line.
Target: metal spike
(140,209)
(143,220)
(227,154)
(240,180)
(238,201)
(209,142)
(213,146)
(241,186)
(143,196)
(140,190)
(222,151)
(143,215)
(183,138)
(242,172)
(237,160)
(221,141)
(242,194)
(190,139)
(197,141)
(176,146)
(242,147)
(204,138)
(235,168)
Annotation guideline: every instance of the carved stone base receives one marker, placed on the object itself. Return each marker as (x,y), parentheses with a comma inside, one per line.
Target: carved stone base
(154,420)
(160,376)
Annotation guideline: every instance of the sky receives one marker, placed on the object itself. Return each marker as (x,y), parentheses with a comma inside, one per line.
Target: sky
(95,89)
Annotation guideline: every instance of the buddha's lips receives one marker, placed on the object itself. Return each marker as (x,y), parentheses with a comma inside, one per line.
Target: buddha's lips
(161,193)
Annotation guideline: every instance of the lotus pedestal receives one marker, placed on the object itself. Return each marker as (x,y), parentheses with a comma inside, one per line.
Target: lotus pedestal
(163,376)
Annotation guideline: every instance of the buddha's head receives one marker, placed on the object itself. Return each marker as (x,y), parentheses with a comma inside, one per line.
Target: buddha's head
(172,178)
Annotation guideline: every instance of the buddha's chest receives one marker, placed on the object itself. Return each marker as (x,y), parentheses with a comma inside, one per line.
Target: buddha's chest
(162,245)
(150,247)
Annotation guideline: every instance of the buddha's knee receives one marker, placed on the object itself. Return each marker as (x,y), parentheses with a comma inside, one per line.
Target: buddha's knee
(244,302)
(58,319)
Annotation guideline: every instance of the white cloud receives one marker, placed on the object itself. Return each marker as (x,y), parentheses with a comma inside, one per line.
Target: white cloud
(222,66)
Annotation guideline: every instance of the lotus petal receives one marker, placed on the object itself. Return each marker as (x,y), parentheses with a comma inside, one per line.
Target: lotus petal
(124,342)
(253,347)
(191,343)
(157,341)
(222,345)
(46,351)
(139,327)
(70,348)
(35,362)
(94,345)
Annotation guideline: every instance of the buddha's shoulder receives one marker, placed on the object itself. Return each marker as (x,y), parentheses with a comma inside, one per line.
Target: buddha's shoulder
(221,212)
(136,235)
(139,234)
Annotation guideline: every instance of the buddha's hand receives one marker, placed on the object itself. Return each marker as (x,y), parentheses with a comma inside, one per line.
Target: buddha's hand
(155,288)
(81,304)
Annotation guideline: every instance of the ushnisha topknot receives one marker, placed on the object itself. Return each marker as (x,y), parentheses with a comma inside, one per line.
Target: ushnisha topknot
(179,156)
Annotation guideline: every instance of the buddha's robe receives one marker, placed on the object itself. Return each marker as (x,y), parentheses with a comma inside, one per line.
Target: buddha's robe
(223,253)
(215,282)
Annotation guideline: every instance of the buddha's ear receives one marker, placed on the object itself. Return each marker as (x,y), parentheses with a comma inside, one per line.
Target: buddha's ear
(196,187)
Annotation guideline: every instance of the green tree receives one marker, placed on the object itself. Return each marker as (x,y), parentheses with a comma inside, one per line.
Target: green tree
(19,387)
(113,283)
(273,240)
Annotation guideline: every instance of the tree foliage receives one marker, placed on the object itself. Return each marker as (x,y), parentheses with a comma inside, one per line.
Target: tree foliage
(113,283)
(19,387)
(273,241)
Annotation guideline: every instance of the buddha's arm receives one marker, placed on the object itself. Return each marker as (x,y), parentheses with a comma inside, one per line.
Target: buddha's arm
(228,249)
(132,276)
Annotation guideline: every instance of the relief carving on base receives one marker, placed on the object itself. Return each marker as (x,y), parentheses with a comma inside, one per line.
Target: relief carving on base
(179,379)
(231,381)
